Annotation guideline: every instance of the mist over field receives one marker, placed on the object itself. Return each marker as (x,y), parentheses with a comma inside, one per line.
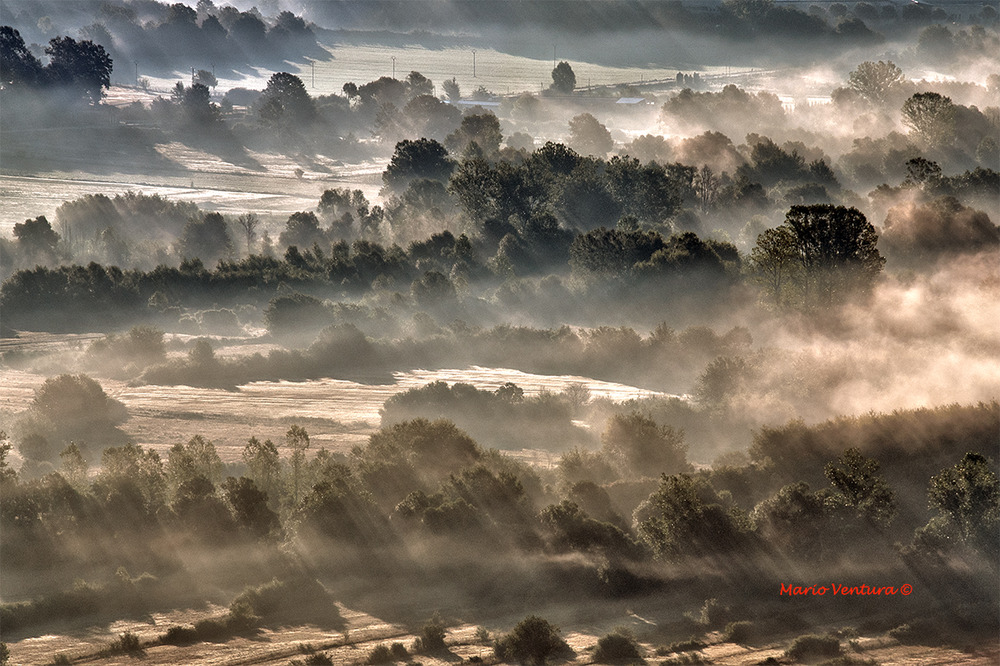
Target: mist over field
(447,331)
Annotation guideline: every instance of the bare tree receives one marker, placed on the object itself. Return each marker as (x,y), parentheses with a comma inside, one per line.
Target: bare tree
(249,223)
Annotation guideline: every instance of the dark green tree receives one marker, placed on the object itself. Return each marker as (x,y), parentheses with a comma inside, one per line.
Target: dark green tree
(37,241)
(563,79)
(207,238)
(82,65)
(285,99)
(836,248)
(422,158)
(18,65)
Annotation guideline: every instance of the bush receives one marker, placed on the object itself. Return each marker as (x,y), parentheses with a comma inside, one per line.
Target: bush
(379,655)
(683,646)
(617,647)
(58,660)
(532,641)
(179,636)
(740,632)
(318,659)
(919,633)
(432,636)
(128,643)
(811,646)
(399,652)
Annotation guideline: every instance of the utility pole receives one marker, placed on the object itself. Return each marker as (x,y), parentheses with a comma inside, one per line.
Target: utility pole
(553,56)
(473,63)
(136,71)
(313,64)
(192,76)
(393,66)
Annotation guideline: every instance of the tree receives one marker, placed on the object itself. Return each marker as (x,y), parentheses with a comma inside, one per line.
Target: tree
(297,439)
(533,641)
(876,82)
(968,497)
(422,158)
(706,185)
(73,465)
(82,65)
(483,129)
(75,407)
(301,230)
(286,100)
(418,84)
(563,79)
(249,506)
(205,78)
(18,65)
(263,464)
(639,445)
(862,487)
(684,517)
(207,238)
(774,261)
(588,136)
(198,105)
(836,248)
(197,458)
(931,116)
(452,90)
(249,222)
(37,240)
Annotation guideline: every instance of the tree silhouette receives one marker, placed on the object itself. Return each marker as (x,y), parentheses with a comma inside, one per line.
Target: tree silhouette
(563,79)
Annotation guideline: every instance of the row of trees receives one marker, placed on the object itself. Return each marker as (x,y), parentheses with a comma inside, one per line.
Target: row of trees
(434,479)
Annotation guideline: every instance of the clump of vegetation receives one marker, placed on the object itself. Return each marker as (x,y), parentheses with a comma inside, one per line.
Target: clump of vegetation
(533,641)
(694,658)
(689,645)
(128,643)
(398,651)
(813,646)
(846,660)
(741,632)
(431,636)
(58,660)
(917,633)
(618,647)
(380,654)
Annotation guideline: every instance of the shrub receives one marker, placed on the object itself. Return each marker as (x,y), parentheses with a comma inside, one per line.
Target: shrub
(128,643)
(59,660)
(740,632)
(683,646)
(811,646)
(379,655)
(432,636)
(919,633)
(179,635)
(399,652)
(532,641)
(318,659)
(617,647)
